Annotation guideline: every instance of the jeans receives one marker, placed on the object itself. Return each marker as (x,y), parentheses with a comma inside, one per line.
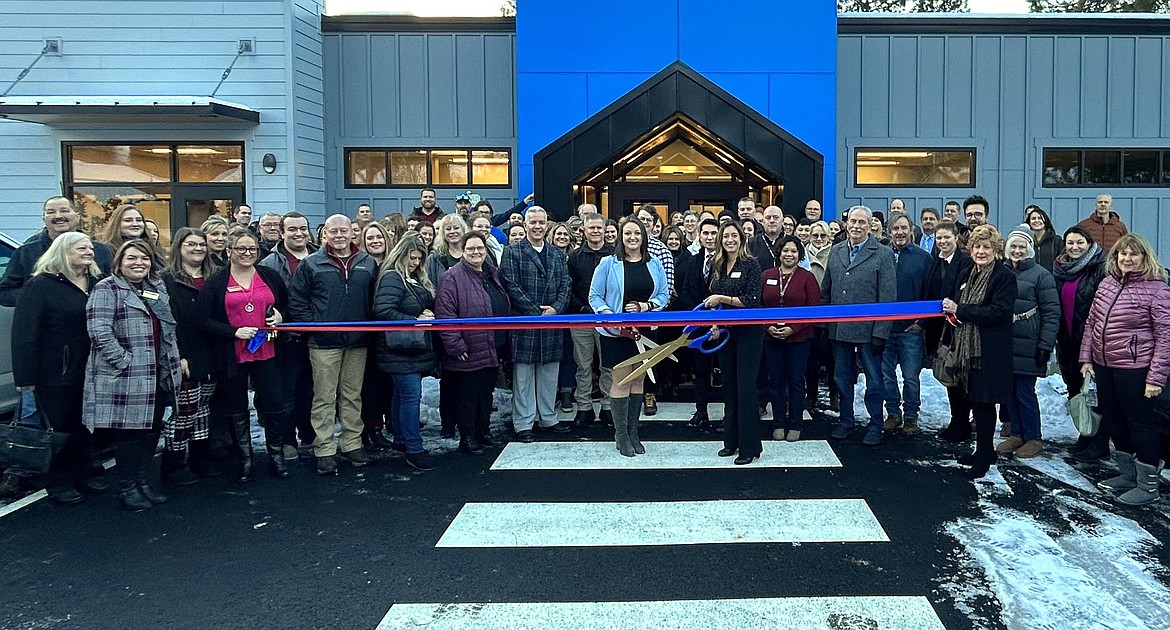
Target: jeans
(405,403)
(587,352)
(845,356)
(1025,409)
(534,390)
(786,366)
(905,349)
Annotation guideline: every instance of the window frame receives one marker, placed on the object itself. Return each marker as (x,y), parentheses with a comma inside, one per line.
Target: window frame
(955,149)
(429,160)
(1163,153)
(173,179)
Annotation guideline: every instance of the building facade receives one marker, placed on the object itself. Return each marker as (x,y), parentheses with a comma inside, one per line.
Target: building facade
(648,107)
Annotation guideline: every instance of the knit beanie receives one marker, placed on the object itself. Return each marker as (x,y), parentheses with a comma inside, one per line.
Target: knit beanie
(1022,231)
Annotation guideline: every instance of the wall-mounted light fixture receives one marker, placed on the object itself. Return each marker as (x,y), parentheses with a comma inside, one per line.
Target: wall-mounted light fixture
(269,163)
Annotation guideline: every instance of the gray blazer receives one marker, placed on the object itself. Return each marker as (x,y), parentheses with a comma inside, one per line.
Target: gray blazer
(870,278)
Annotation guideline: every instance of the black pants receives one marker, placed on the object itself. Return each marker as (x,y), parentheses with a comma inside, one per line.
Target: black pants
(821,355)
(269,401)
(704,368)
(984,426)
(377,394)
(297,387)
(740,361)
(1068,351)
(1121,395)
(61,407)
(960,406)
(134,448)
(473,405)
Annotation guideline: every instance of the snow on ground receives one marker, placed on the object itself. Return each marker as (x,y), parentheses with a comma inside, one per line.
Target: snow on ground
(501,417)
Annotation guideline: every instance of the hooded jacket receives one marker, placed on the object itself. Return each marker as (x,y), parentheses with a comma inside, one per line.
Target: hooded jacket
(1129,326)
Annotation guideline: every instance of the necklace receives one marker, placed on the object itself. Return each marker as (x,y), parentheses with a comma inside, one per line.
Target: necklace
(784,282)
(248,308)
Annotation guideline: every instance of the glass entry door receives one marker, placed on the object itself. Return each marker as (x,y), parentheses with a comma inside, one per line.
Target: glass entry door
(191,205)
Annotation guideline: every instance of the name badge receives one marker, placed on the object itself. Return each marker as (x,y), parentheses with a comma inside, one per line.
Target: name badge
(771,282)
(735,274)
(235,289)
(150,295)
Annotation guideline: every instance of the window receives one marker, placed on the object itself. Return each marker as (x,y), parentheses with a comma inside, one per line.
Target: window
(1135,167)
(914,167)
(412,168)
(101,177)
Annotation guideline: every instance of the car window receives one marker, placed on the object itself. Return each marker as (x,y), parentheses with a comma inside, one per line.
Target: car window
(5,255)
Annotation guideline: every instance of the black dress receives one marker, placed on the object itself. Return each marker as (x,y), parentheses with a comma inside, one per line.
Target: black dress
(639,286)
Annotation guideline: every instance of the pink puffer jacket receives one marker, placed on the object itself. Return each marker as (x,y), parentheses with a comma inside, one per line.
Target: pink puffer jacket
(1129,326)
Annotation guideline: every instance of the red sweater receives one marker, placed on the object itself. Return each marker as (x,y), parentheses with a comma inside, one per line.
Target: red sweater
(802,290)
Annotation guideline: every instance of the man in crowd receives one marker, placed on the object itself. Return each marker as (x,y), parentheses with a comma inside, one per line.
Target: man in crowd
(812,210)
(763,245)
(293,349)
(268,231)
(745,209)
(336,284)
(59,217)
(242,216)
(693,281)
(463,204)
(364,214)
(586,341)
(1104,225)
(928,218)
(976,210)
(427,210)
(648,215)
(537,279)
(860,271)
(905,345)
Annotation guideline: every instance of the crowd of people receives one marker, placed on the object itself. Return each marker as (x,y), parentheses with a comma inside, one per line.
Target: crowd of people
(122,339)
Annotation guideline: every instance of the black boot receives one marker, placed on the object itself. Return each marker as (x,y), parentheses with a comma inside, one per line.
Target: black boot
(274,428)
(242,432)
(127,454)
(199,459)
(145,464)
(175,471)
(276,464)
(1097,450)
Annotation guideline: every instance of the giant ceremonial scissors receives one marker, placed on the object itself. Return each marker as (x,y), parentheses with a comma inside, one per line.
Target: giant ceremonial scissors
(657,354)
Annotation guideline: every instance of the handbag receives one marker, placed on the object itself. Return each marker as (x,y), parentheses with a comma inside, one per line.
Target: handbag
(945,372)
(28,442)
(412,341)
(1084,418)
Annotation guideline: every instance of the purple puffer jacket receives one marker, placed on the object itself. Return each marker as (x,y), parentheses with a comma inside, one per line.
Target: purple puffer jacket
(1129,326)
(461,294)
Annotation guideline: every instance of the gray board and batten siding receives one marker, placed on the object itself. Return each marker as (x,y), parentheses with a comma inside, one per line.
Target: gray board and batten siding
(1009,88)
(400,84)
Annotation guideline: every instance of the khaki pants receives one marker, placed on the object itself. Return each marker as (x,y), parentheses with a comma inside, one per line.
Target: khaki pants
(337,394)
(587,349)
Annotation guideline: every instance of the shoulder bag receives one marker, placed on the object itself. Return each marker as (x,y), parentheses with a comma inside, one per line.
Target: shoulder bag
(28,442)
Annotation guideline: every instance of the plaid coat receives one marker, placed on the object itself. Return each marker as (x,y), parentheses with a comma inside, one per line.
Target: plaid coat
(530,285)
(121,378)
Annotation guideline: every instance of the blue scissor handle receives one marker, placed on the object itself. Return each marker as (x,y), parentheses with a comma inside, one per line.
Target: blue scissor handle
(697,342)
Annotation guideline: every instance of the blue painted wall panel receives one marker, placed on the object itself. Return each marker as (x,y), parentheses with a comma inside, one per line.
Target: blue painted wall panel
(1147,105)
(549,105)
(1093,98)
(745,46)
(612,35)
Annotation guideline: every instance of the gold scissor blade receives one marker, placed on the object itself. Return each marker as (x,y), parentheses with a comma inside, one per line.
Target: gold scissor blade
(640,357)
(665,350)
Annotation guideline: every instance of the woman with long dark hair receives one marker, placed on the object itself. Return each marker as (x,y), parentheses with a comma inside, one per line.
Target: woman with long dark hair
(235,303)
(1049,246)
(787,346)
(736,283)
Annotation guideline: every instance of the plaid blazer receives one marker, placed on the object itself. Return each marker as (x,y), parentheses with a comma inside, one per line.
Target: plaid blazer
(122,376)
(530,285)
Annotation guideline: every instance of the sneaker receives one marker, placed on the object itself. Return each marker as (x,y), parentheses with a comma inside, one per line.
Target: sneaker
(1031,448)
(356,457)
(1009,445)
(560,427)
(910,426)
(289,453)
(892,423)
(793,436)
(842,430)
(419,461)
(525,436)
(584,417)
(778,434)
(699,418)
(567,405)
(605,417)
(873,436)
(327,465)
(649,405)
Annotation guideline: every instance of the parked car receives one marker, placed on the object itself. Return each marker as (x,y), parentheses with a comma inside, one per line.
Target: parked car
(7,389)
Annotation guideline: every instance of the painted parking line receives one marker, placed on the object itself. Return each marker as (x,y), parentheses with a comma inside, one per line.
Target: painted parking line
(37,496)
(803,613)
(662,523)
(659,455)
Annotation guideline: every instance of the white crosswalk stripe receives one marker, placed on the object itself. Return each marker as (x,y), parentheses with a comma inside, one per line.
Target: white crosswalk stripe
(659,455)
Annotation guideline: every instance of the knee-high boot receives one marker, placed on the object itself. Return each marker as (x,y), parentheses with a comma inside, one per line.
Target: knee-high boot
(633,417)
(145,464)
(127,453)
(273,430)
(621,425)
(242,436)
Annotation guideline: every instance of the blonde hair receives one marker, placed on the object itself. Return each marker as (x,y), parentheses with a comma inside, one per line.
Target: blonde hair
(399,257)
(440,244)
(986,233)
(55,260)
(1151,266)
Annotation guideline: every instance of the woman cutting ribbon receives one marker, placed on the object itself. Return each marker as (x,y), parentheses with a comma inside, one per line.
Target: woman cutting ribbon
(629,281)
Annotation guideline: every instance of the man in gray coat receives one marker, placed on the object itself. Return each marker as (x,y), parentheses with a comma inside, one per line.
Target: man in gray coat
(860,271)
(536,276)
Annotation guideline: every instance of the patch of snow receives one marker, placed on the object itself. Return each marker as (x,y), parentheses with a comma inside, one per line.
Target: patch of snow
(1054,466)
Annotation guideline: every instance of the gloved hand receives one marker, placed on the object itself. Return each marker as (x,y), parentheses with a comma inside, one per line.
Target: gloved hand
(1042,356)
(878,344)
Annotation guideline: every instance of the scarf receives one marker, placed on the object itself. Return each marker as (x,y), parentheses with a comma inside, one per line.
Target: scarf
(966,352)
(1067,270)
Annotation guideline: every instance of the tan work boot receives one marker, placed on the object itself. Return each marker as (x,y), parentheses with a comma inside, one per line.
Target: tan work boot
(910,426)
(1009,445)
(892,423)
(1031,448)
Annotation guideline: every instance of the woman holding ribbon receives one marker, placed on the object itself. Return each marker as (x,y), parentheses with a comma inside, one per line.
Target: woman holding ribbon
(235,303)
(787,345)
(736,283)
(628,281)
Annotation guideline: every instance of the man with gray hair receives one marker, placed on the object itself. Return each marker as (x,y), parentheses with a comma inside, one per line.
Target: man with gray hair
(583,262)
(336,284)
(1104,225)
(536,276)
(860,271)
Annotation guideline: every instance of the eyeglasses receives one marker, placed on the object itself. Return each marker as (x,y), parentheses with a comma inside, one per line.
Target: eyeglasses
(477,248)
(244,251)
(195,245)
